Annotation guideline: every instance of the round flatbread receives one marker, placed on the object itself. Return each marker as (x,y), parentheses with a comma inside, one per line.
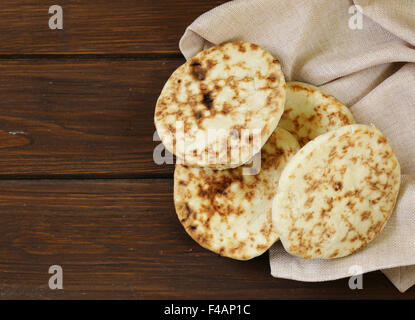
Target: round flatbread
(309,112)
(229,211)
(226,98)
(337,193)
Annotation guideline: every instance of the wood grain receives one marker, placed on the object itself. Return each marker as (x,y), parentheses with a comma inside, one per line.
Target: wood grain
(98,26)
(70,117)
(121,239)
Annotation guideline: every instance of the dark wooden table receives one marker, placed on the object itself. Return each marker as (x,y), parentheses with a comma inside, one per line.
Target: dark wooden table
(78,184)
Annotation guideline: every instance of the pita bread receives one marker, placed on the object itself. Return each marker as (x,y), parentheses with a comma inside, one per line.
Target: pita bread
(231,94)
(337,193)
(228,212)
(309,112)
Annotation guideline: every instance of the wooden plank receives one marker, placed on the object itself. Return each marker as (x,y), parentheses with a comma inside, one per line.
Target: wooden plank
(98,26)
(80,117)
(121,239)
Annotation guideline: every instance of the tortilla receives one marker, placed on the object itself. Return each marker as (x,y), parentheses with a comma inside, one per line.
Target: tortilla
(309,112)
(228,212)
(226,96)
(337,193)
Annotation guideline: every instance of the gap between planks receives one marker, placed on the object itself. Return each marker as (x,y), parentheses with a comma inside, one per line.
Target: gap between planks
(87,177)
(144,56)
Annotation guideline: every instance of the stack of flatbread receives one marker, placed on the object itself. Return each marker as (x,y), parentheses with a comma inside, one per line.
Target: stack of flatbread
(260,160)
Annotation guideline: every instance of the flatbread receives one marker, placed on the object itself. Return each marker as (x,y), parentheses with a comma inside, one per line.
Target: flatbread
(309,112)
(228,212)
(337,193)
(229,95)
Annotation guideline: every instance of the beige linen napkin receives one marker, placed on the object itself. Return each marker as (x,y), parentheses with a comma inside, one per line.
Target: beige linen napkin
(371,69)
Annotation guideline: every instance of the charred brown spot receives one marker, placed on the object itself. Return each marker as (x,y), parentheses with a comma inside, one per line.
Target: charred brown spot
(303,141)
(207,100)
(272,78)
(254,46)
(310,155)
(237,248)
(211,63)
(308,216)
(287,111)
(337,186)
(217,186)
(375,229)
(193,227)
(382,140)
(309,202)
(226,57)
(198,114)
(261,247)
(365,215)
(226,108)
(220,189)
(350,204)
(334,254)
(241,47)
(343,118)
(189,211)
(197,71)
(249,195)
(296,87)
(323,213)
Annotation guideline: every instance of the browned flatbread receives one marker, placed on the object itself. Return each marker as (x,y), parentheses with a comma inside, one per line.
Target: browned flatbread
(228,212)
(337,193)
(231,94)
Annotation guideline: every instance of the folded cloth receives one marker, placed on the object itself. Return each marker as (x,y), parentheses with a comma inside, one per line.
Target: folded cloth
(363,53)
